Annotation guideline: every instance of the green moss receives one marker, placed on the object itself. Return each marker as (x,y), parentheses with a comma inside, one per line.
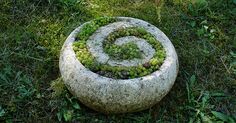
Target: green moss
(116,52)
(126,51)
(89,28)
(58,87)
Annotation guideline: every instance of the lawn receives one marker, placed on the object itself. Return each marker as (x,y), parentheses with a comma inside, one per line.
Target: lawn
(32,33)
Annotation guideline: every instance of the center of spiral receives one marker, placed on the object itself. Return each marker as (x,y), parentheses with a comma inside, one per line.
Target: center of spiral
(95,46)
(146,51)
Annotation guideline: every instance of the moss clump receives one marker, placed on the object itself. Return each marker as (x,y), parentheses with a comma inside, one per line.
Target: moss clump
(89,28)
(126,51)
(123,52)
(58,87)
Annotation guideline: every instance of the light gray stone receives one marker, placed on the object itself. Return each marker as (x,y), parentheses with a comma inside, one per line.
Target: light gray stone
(109,95)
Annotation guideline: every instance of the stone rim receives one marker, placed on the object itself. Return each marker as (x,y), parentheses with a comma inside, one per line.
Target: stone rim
(70,71)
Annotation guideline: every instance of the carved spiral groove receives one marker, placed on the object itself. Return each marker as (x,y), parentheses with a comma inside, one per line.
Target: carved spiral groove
(118,49)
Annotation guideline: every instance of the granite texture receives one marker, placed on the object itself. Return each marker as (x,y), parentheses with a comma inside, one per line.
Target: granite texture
(109,95)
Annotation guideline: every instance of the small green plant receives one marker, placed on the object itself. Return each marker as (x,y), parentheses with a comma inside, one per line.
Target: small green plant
(2,111)
(58,87)
(197,6)
(68,107)
(66,104)
(89,28)
(159,4)
(123,52)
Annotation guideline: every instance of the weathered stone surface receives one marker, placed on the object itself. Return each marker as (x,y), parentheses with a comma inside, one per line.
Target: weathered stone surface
(114,95)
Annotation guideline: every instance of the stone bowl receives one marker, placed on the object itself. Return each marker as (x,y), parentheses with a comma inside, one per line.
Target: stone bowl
(109,95)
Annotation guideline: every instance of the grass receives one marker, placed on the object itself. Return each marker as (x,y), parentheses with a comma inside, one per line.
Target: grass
(203,33)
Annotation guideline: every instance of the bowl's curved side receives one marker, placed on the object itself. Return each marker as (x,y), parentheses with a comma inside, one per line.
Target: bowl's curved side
(119,96)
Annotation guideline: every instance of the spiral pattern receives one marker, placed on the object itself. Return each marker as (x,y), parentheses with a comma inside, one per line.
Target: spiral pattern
(118,65)
(119,48)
